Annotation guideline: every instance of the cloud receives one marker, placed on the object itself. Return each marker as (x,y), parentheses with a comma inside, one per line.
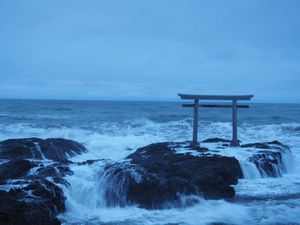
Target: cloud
(149,49)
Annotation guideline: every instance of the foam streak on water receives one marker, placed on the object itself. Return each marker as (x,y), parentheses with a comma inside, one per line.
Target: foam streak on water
(110,131)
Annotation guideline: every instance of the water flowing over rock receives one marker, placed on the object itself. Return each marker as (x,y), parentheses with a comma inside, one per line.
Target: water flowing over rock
(37,203)
(56,149)
(158,175)
(270,159)
(30,174)
(33,170)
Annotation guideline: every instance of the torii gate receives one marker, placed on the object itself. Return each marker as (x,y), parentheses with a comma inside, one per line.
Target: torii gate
(234,106)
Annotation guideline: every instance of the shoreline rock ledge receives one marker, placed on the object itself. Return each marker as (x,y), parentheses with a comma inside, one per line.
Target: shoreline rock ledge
(160,175)
(157,175)
(31,172)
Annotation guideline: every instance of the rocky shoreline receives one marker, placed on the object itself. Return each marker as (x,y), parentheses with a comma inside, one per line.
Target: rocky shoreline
(31,173)
(33,170)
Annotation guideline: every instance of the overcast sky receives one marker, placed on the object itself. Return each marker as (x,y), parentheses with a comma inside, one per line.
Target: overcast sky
(149,49)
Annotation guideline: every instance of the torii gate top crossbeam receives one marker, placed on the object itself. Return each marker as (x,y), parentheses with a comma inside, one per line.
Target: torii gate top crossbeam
(216,97)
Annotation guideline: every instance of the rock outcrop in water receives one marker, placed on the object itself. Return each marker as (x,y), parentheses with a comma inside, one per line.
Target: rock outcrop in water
(56,149)
(157,175)
(30,174)
(269,160)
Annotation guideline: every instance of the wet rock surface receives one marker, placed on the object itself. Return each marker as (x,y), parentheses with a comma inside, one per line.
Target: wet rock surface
(216,140)
(157,175)
(40,207)
(56,149)
(31,171)
(266,145)
(14,169)
(269,161)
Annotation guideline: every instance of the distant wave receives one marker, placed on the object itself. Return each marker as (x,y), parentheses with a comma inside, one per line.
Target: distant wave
(62,109)
(147,130)
(291,127)
(32,117)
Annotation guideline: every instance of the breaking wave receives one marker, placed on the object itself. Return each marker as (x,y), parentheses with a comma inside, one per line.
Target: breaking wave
(110,142)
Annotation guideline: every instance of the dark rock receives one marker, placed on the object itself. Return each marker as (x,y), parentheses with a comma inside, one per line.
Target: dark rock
(256,145)
(31,199)
(59,149)
(216,140)
(16,149)
(32,196)
(197,148)
(266,145)
(24,206)
(48,194)
(90,162)
(54,171)
(278,145)
(56,149)
(157,175)
(15,169)
(275,143)
(269,161)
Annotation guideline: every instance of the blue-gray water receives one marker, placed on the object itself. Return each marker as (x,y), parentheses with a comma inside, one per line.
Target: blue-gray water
(112,130)
(85,113)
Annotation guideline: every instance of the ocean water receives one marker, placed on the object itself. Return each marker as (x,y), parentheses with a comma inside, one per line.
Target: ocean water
(111,130)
